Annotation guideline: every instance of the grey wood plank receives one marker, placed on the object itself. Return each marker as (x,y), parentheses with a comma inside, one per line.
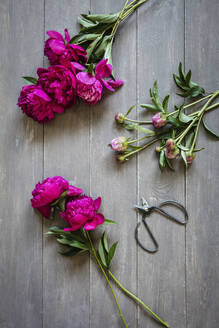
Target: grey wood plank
(161,277)
(202,56)
(21,32)
(66,153)
(116,183)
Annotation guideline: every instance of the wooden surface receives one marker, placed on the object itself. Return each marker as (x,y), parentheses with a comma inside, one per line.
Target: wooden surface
(38,287)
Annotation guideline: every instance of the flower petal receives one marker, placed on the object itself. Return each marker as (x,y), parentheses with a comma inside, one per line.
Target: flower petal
(58,47)
(97,203)
(78,66)
(67,36)
(58,109)
(90,225)
(115,83)
(100,218)
(45,211)
(106,85)
(74,191)
(55,35)
(103,69)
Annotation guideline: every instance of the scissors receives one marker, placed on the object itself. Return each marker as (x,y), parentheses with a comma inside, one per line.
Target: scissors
(147,210)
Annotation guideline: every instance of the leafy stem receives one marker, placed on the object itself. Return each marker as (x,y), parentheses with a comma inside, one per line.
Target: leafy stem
(93,252)
(140,149)
(136,299)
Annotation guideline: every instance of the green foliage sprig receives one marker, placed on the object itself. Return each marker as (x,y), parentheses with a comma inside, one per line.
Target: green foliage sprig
(176,130)
(97,32)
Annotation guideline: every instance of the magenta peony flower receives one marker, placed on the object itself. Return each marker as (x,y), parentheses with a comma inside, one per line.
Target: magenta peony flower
(82,212)
(60,83)
(159,120)
(37,104)
(60,51)
(120,118)
(50,189)
(90,88)
(119,144)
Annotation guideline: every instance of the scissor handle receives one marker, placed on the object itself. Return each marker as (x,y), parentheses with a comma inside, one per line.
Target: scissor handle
(149,250)
(170,216)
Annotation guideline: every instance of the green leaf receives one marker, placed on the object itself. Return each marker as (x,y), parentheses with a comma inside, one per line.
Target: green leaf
(108,52)
(209,130)
(174,121)
(162,162)
(100,50)
(102,253)
(183,117)
(150,107)
(189,139)
(142,129)
(92,46)
(128,126)
(165,104)
(72,251)
(85,37)
(103,18)
(169,164)
(112,253)
(61,204)
(183,147)
(105,243)
(78,244)
(107,221)
(85,22)
(30,79)
(129,111)
(197,150)
(183,154)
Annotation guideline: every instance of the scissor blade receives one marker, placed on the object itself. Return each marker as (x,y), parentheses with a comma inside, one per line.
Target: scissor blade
(141,208)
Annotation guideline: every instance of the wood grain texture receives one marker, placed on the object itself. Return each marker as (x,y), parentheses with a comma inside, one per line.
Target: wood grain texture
(161,277)
(21,32)
(202,239)
(66,153)
(114,182)
(41,289)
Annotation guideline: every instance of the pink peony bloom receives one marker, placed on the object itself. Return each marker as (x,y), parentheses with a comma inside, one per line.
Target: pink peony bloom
(60,83)
(60,51)
(90,88)
(50,189)
(119,144)
(172,150)
(170,144)
(37,104)
(82,212)
(159,120)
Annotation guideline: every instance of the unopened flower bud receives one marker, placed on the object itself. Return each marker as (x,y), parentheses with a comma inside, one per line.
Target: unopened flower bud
(121,159)
(120,118)
(189,157)
(170,144)
(119,144)
(158,149)
(172,154)
(159,120)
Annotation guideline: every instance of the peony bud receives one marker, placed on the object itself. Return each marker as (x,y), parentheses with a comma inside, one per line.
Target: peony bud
(159,120)
(170,144)
(189,157)
(158,149)
(120,118)
(121,159)
(172,154)
(119,144)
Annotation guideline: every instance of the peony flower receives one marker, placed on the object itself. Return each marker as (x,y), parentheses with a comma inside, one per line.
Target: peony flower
(60,83)
(189,157)
(90,88)
(60,51)
(120,118)
(170,144)
(37,104)
(50,189)
(82,212)
(159,120)
(119,144)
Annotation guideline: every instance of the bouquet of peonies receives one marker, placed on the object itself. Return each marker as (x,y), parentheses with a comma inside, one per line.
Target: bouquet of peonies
(81,67)
(80,213)
(177,131)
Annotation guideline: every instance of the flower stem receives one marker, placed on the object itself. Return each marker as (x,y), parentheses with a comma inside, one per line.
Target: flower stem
(93,252)
(207,109)
(140,139)
(137,299)
(140,149)
(119,19)
(136,121)
(128,12)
